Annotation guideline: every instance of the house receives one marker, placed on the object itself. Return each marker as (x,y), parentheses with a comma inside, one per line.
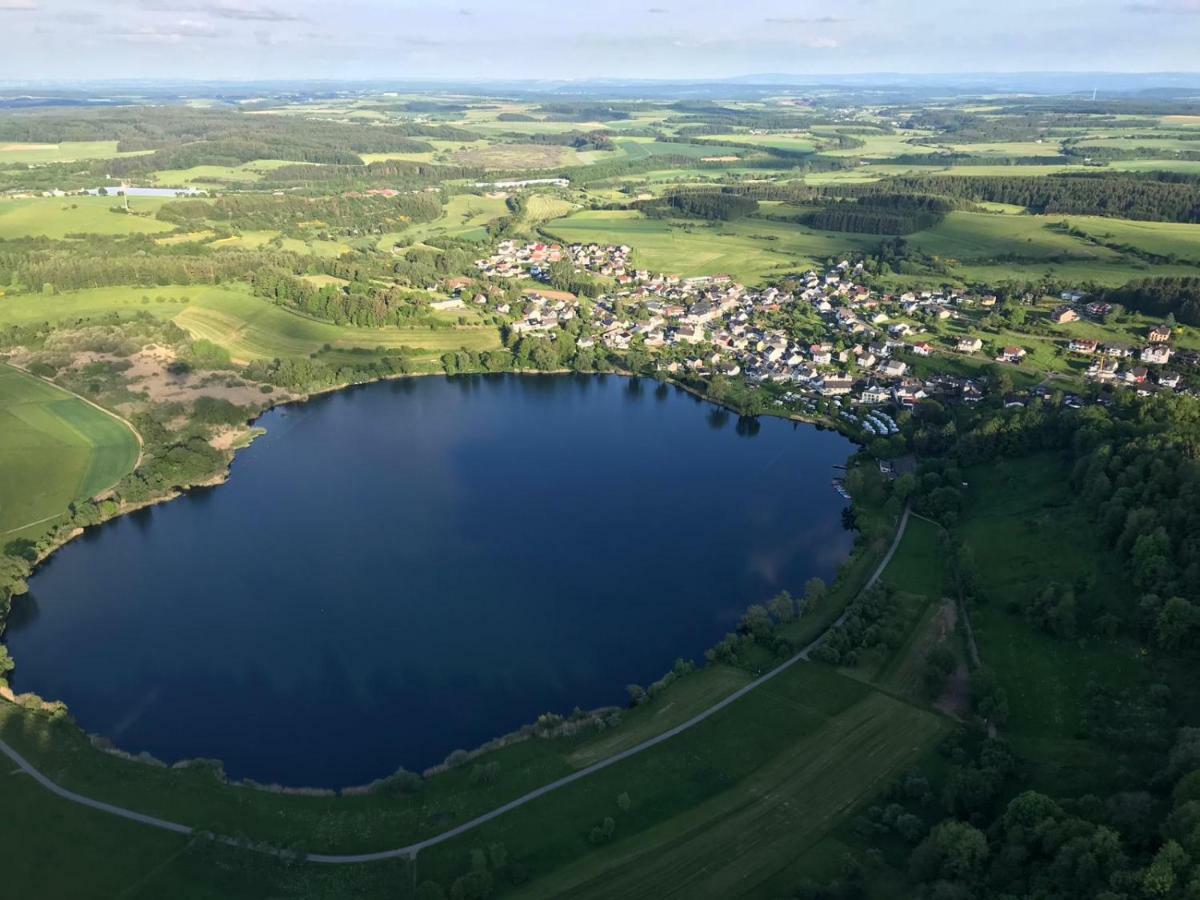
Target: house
(1012,354)
(969,345)
(1137,375)
(873,394)
(835,386)
(922,349)
(1116,351)
(1103,369)
(893,368)
(1169,379)
(1064,314)
(1071,296)
(1156,354)
(909,393)
(1083,345)
(1160,334)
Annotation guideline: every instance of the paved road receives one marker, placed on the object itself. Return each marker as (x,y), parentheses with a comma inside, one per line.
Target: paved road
(900,529)
(412,850)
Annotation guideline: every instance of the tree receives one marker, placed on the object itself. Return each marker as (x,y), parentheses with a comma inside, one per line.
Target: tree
(1163,873)
(1175,623)
(782,607)
(757,621)
(953,850)
(814,593)
(430,890)
(475,885)
(939,663)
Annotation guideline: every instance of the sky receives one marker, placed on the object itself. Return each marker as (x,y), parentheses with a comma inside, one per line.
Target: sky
(574,39)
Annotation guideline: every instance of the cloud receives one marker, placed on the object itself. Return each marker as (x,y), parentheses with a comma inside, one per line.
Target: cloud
(241,10)
(801,20)
(416,41)
(171,33)
(1164,7)
(658,10)
(17,5)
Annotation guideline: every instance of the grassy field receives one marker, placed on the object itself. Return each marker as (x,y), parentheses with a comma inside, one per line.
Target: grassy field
(463,216)
(998,244)
(817,763)
(1160,238)
(974,236)
(247,326)
(251,240)
(54,448)
(58,217)
(643,148)
(801,143)
(68,151)
(880,146)
(1007,148)
(750,250)
(1025,531)
(245,174)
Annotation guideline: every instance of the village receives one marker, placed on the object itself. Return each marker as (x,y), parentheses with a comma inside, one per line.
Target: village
(873,349)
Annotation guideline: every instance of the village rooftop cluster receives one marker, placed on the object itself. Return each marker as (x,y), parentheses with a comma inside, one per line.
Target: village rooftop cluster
(875,349)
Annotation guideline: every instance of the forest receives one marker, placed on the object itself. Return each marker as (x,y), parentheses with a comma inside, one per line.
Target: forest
(1128,196)
(892,214)
(1178,297)
(713,205)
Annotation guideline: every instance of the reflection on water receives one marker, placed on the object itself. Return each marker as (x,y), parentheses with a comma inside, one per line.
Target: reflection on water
(407,568)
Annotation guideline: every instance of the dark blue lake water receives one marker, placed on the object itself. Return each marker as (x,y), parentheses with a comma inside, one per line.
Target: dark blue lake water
(407,568)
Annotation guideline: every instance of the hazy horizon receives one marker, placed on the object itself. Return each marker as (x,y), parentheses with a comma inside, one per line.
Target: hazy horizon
(243,40)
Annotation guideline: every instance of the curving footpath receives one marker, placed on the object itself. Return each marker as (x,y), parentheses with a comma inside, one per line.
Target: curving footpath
(411,851)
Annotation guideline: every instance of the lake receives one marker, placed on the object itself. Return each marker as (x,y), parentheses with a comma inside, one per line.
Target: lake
(407,568)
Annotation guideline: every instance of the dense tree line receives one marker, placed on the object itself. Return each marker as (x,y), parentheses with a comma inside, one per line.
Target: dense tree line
(92,265)
(1135,467)
(880,214)
(1126,196)
(343,213)
(715,205)
(940,158)
(583,111)
(1178,297)
(161,127)
(578,140)
(362,304)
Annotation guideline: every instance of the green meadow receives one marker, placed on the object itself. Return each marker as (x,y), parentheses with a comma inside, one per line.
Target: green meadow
(247,173)
(67,151)
(60,217)
(750,250)
(248,327)
(54,448)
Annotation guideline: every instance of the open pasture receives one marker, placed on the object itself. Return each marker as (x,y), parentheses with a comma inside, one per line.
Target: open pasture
(245,174)
(67,151)
(59,217)
(749,249)
(247,326)
(54,448)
